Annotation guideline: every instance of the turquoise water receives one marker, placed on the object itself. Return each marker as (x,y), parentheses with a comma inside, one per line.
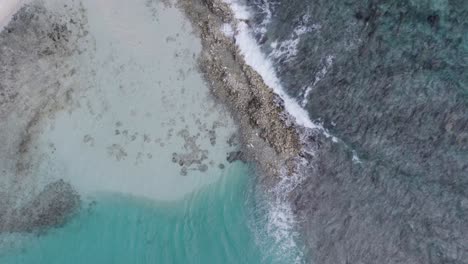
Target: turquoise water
(134,130)
(213,225)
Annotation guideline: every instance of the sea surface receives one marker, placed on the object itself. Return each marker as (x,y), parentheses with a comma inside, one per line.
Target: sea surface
(385,84)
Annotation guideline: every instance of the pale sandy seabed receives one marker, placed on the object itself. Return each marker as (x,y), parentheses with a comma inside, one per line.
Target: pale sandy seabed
(107,96)
(141,123)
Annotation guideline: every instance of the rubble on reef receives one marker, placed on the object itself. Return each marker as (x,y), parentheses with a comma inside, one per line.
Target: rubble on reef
(266,133)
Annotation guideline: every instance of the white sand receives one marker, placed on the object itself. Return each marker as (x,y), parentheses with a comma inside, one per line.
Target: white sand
(147,92)
(7,10)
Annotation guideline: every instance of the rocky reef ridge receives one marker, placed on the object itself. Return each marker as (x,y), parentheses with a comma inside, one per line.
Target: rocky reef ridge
(268,134)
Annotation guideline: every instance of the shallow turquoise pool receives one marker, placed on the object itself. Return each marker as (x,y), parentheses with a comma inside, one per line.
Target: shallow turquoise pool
(120,111)
(217,224)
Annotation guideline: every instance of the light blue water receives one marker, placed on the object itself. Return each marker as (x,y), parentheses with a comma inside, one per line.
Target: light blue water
(214,225)
(137,103)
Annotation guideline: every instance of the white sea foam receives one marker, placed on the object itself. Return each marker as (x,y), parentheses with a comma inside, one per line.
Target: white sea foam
(240,11)
(265,8)
(282,219)
(318,77)
(356,158)
(282,222)
(255,58)
(288,48)
(264,66)
(277,223)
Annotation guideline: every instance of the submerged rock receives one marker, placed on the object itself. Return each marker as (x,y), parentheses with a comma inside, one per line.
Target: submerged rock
(236,156)
(52,207)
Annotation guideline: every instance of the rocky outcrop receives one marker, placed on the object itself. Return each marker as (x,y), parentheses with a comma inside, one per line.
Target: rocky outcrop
(267,133)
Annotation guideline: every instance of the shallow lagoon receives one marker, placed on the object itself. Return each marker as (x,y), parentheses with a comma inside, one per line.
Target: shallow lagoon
(210,226)
(145,111)
(138,136)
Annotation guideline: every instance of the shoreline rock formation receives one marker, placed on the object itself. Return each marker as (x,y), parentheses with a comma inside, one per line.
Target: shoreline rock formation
(268,134)
(281,152)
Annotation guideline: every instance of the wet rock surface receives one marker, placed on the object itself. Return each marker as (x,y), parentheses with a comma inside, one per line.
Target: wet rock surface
(52,207)
(266,133)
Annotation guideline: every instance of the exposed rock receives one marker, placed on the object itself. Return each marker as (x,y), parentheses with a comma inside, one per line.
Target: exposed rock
(254,106)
